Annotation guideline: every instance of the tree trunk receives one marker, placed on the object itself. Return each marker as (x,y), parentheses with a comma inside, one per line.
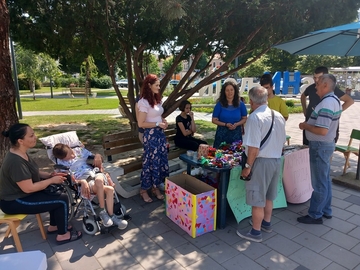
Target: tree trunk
(8,115)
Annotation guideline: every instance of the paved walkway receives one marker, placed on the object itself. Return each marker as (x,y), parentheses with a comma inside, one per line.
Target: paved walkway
(152,241)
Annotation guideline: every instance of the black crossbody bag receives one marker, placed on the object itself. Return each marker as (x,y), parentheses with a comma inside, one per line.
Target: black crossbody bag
(243,154)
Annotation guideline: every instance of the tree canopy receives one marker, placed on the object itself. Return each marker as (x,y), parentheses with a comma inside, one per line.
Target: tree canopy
(129,30)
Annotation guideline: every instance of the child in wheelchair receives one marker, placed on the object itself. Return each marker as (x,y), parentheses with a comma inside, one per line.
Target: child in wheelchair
(92,179)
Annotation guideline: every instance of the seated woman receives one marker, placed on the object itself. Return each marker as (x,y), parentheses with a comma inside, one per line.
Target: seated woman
(22,185)
(185,128)
(229,114)
(91,183)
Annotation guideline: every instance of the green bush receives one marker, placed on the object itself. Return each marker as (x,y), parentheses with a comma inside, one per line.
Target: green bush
(290,103)
(24,84)
(103,82)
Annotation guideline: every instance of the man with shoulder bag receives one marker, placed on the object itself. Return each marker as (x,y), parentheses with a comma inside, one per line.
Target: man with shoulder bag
(263,140)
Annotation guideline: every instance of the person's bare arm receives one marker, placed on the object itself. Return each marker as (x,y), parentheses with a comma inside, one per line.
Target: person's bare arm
(348,101)
(28,186)
(185,132)
(313,129)
(303,103)
(143,124)
(193,125)
(253,152)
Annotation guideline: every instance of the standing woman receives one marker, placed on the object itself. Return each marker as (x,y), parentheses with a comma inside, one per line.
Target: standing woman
(155,158)
(22,185)
(229,114)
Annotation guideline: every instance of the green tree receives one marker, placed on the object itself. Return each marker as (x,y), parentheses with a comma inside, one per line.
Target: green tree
(151,64)
(34,66)
(168,63)
(131,29)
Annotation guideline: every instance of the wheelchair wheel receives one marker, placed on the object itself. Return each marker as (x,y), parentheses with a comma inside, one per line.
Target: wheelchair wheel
(90,226)
(72,201)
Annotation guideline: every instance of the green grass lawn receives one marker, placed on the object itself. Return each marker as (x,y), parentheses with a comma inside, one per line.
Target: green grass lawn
(67,104)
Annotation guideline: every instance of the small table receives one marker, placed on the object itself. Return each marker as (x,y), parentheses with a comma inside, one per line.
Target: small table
(223,186)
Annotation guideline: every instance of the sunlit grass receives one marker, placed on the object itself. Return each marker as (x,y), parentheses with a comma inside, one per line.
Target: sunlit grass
(67,104)
(90,128)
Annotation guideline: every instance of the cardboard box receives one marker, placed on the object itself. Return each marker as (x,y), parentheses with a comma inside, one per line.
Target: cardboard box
(191,204)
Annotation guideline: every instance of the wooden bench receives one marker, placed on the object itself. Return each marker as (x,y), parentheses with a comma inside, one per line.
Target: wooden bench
(78,91)
(128,144)
(128,141)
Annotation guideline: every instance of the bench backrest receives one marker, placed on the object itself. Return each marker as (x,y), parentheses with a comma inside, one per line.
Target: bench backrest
(127,141)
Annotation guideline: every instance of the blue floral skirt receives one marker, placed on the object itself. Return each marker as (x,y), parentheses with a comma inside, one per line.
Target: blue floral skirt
(155,158)
(223,134)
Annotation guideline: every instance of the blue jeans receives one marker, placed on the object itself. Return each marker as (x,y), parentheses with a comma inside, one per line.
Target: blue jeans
(320,155)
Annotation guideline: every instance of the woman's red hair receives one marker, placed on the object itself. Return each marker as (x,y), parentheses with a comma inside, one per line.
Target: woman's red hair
(146,92)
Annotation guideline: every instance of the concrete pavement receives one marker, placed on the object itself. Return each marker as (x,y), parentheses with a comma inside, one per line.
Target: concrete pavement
(152,241)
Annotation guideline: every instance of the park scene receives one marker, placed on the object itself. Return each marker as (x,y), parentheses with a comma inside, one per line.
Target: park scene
(75,73)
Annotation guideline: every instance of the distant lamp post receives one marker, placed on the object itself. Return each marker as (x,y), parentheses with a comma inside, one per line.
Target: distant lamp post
(16,82)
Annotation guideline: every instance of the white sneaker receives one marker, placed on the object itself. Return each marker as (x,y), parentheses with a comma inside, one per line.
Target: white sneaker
(120,223)
(106,220)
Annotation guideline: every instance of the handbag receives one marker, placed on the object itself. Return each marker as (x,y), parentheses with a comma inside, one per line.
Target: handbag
(243,154)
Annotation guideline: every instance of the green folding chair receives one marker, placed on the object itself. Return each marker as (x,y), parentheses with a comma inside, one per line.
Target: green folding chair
(348,149)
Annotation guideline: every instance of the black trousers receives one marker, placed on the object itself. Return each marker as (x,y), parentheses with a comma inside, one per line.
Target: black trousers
(40,202)
(189,143)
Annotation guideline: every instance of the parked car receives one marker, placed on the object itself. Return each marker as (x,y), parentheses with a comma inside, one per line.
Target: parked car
(123,83)
(174,82)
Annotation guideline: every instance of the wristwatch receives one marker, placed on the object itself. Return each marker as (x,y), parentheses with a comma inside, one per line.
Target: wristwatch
(157,124)
(247,166)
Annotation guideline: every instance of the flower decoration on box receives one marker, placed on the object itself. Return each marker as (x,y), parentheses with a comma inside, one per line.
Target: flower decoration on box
(228,155)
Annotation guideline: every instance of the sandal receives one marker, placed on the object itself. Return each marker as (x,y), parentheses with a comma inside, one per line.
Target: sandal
(75,235)
(157,193)
(145,196)
(70,228)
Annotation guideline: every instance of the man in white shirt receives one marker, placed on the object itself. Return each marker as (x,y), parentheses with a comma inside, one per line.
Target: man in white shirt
(263,162)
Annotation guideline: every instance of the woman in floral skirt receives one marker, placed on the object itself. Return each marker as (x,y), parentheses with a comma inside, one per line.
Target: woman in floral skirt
(155,158)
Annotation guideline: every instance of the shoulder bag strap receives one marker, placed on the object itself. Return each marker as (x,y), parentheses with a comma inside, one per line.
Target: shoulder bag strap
(268,134)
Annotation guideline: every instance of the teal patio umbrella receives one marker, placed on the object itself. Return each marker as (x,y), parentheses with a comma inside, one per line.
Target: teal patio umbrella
(343,40)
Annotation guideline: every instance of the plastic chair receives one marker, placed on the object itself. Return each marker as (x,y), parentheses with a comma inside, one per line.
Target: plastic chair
(13,221)
(348,149)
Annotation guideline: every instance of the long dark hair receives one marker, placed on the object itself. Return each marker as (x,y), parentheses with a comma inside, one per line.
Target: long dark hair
(222,98)
(16,132)
(146,92)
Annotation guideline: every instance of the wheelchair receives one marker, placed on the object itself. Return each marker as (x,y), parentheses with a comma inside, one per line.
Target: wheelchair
(91,221)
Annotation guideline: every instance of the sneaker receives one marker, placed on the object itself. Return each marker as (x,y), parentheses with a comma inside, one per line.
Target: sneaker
(120,223)
(248,236)
(327,216)
(309,220)
(161,187)
(264,228)
(106,220)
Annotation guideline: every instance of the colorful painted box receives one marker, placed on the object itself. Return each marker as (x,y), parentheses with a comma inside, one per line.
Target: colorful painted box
(191,204)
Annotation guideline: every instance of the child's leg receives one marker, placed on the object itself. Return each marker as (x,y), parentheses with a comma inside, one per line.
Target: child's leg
(98,189)
(109,191)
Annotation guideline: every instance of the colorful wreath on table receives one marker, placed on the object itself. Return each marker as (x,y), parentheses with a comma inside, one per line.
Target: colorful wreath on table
(228,155)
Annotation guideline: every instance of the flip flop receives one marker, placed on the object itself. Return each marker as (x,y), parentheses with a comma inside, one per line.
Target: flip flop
(56,231)
(73,237)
